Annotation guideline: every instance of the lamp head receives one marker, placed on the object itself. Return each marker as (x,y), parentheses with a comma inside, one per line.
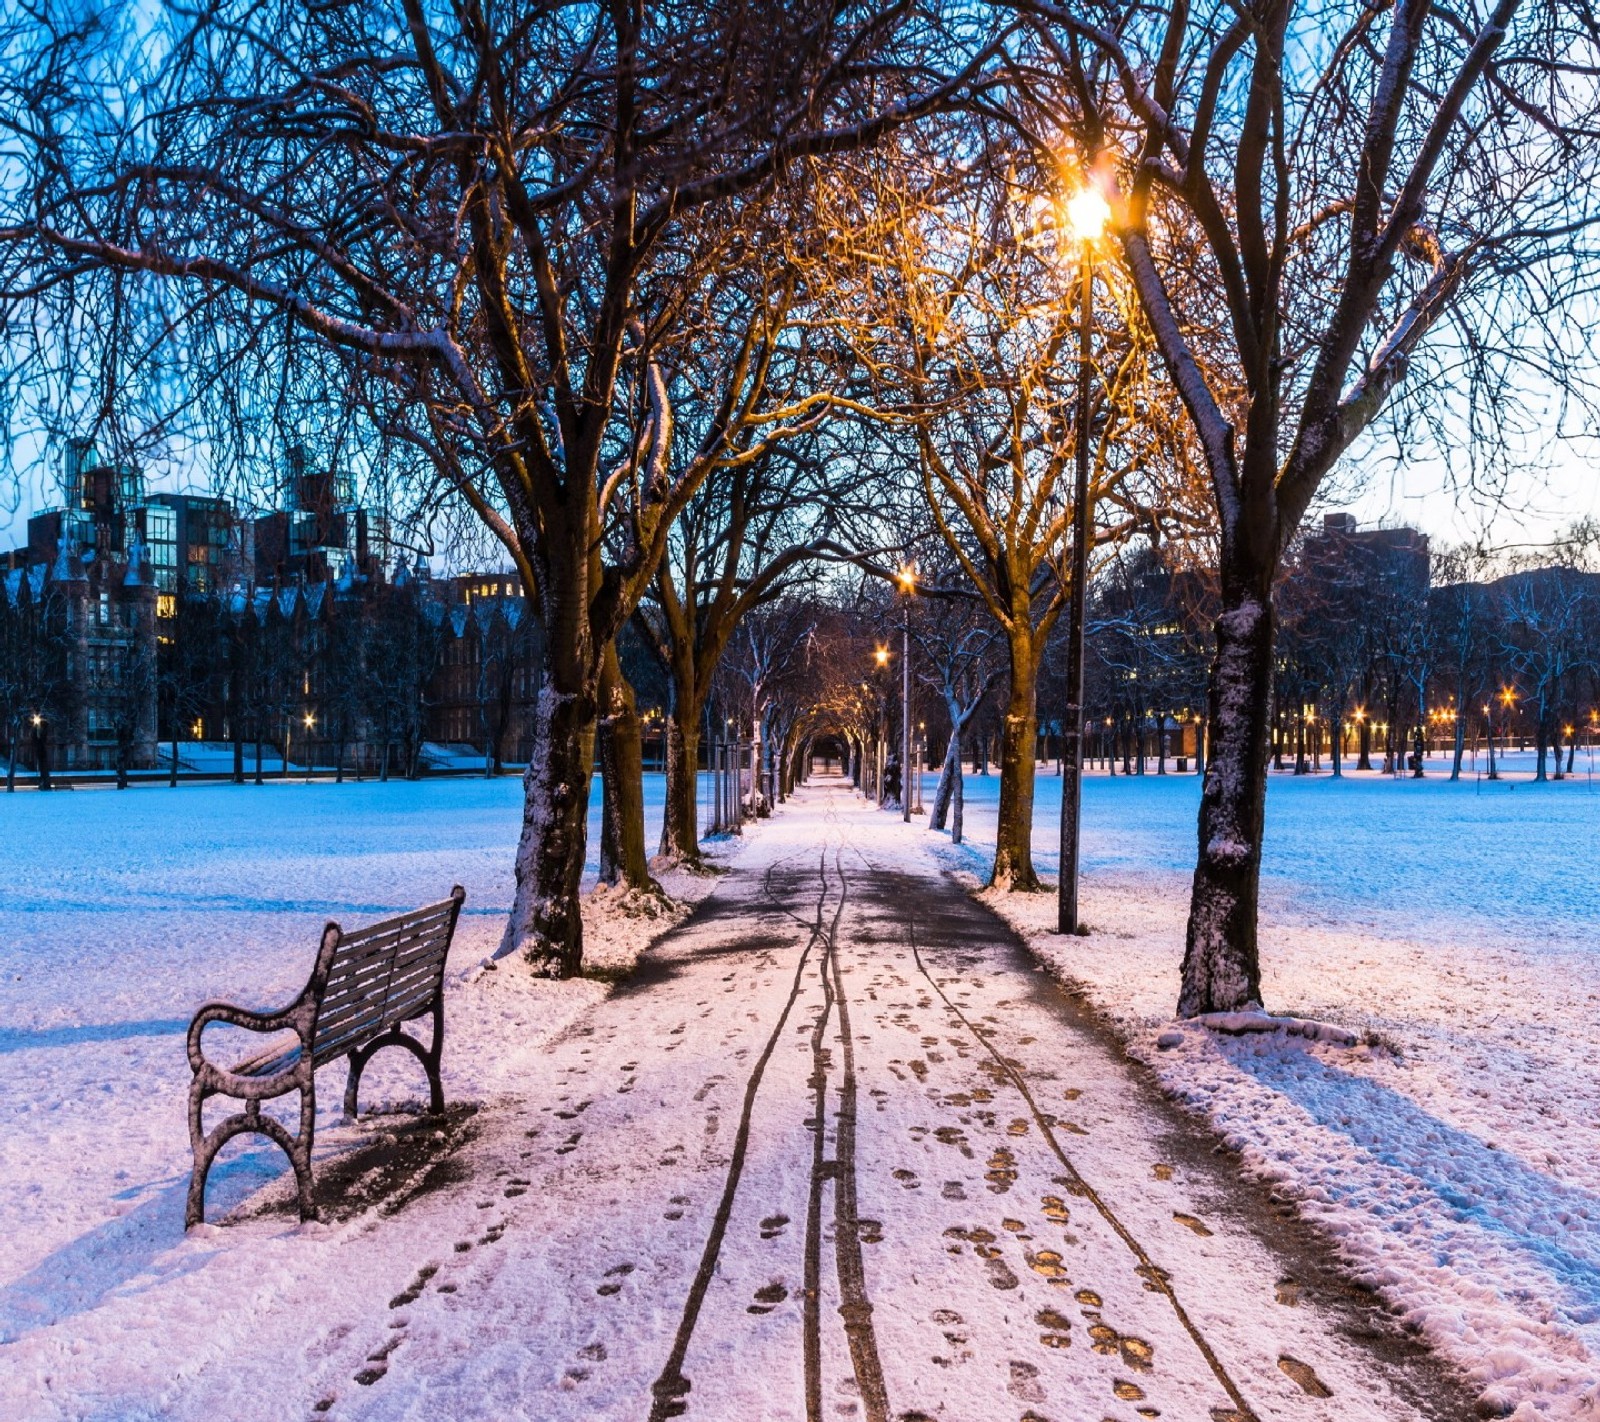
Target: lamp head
(906,577)
(1088,212)
(881,656)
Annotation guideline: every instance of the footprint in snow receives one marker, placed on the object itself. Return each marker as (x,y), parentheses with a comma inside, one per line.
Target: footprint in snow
(1304,1377)
(768,1297)
(614,1275)
(1024,1382)
(772,1226)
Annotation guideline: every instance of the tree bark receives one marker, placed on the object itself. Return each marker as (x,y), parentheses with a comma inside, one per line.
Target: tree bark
(1013,851)
(680,820)
(957,804)
(623,859)
(546,926)
(949,776)
(1221,962)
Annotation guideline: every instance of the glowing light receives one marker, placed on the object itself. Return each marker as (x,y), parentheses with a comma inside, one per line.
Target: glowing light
(906,577)
(1088,212)
(881,656)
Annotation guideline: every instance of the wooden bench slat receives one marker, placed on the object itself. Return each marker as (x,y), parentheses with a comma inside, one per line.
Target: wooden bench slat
(414,1004)
(354,953)
(367,1011)
(374,977)
(440,909)
(359,981)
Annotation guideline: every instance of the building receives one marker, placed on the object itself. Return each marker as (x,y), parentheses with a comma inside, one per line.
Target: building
(485,688)
(1343,552)
(320,532)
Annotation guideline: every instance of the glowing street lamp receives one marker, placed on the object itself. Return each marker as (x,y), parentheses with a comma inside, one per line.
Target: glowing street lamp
(906,581)
(1087,212)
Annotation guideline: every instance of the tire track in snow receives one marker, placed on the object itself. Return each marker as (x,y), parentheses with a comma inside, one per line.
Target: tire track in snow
(854,1307)
(670,1389)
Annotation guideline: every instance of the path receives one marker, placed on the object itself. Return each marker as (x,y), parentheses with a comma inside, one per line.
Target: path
(838,1150)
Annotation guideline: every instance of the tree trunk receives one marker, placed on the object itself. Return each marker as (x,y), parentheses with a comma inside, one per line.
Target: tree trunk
(1337,750)
(1013,849)
(41,752)
(1460,745)
(680,819)
(172,779)
(949,777)
(957,804)
(622,853)
(1221,961)
(546,926)
(383,761)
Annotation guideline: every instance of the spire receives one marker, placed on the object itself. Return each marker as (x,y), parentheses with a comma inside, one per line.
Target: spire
(68,567)
(138,564)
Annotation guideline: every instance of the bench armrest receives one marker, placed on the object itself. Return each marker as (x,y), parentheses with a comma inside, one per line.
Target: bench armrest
(292,1016)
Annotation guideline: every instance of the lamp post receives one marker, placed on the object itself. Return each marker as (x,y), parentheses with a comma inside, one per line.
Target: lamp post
(906,578)
(1087,212)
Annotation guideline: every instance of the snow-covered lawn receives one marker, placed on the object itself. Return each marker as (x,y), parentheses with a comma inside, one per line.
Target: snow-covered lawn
(122,912)
(1457,1157)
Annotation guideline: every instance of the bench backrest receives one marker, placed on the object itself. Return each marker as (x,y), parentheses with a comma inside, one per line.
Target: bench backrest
(383,975)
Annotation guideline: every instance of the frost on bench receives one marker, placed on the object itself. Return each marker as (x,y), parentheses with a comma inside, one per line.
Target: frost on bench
(364,986)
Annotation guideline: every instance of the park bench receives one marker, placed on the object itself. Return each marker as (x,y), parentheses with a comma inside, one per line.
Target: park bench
(364,986)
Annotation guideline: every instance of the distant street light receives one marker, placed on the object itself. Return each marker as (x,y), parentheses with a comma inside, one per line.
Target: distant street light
(906,578)
(1088,213)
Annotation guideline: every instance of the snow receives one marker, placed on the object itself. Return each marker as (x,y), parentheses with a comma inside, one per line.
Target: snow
(1451,1152)
(124,911)
(545,1276)
(1449,929)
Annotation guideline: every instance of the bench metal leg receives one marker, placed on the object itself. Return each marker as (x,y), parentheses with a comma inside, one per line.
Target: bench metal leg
(429,1056)
(250,1120)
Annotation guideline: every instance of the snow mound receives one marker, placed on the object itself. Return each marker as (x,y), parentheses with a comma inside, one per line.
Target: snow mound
(1255,1020)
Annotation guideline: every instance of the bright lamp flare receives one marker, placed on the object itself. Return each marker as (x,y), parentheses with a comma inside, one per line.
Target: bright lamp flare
(1088,213)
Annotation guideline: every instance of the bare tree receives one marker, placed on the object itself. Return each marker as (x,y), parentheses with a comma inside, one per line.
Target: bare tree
(1301,197)
(959,307)
(963,662)
(486,222)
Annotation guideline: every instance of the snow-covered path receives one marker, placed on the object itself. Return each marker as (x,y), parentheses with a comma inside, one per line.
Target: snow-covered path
(836,1149)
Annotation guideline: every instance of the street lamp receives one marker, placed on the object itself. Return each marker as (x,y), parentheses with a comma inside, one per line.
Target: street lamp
(1087,212)
(906,579)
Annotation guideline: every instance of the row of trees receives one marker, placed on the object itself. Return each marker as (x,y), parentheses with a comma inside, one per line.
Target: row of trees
(666,297)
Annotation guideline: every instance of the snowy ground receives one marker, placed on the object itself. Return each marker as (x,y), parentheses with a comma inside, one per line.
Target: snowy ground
(710,1192)
(124,911)
(1458,1158)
